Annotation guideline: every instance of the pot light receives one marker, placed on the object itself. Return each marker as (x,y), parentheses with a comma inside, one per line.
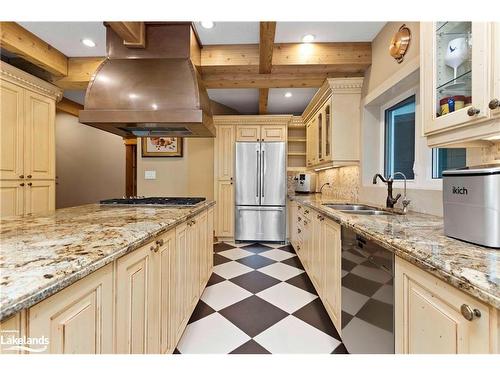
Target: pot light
(154,106)
(207,24)
(307,38)
(288,94)
(88,42)
(133,96)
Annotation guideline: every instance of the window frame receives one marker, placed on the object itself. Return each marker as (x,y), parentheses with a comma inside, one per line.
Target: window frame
(422,167)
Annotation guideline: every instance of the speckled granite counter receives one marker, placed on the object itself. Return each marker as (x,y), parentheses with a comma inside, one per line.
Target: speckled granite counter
(40,255)
(420,239)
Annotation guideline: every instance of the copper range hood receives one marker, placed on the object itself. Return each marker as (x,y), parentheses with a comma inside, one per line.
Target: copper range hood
(152,91)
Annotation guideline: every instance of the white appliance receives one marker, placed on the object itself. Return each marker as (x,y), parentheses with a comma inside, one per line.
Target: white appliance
(260,191)
(305,182)
(471,203)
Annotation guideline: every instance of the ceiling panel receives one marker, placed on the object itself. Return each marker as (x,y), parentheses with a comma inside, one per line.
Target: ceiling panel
(245,101)
(67,36)
(292,32)
(229,33)
(279,104)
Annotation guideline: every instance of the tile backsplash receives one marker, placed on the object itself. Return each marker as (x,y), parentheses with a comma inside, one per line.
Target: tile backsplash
(344,183)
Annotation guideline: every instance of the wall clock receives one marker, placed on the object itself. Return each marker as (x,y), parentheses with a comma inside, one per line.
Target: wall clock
(399,43)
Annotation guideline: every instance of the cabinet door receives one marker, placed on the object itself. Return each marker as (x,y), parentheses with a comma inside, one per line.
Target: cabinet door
(201,222)
(210,241)
(11,131)
(11,329)
(225,152)
(428,316)
(78,319)
(327,131)
(316,253)
(320,136)
(11,198)
(309,148)
(292,222)
(454,73)
(225,209)
(248,133)
(276,133)
(180,282)
(495,64)
(39,150)
(164,279)
(39,196)
(135,293)
(331,249)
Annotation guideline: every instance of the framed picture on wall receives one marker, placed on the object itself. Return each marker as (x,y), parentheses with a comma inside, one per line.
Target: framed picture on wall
(162,147)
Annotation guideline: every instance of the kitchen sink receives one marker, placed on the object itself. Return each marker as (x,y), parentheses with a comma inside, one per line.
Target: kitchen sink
(349,207)
(367,212)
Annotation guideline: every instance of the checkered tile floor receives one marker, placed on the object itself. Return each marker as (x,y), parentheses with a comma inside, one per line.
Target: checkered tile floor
(259,300)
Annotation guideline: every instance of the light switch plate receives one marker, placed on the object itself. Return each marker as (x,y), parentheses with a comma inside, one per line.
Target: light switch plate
(150,175)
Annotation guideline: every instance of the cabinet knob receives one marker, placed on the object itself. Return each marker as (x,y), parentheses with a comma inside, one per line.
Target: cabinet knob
(30,183)
(154,248)
(299,218)
(21,176)
(160,242)
(29,176)
(306,211)
(299,231)
(21,184)
(469,313)
(472,111)
(494,104)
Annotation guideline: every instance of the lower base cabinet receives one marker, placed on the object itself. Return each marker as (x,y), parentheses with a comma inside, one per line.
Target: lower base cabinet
(429,317)
(139,304)
(78,319)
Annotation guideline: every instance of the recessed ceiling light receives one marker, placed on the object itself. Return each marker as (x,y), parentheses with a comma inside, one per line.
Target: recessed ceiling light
(88,42)
(308,38)
(288,94)
(207,24)
(133,96)
(155,107)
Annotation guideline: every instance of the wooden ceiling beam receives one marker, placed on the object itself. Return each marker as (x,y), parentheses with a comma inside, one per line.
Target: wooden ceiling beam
(132,33)
(272,80)
(19,41)
(69,106)
(80,71)
(266,47)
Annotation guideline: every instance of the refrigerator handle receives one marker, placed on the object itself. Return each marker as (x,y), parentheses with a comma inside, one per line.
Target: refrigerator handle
(262,168)
(258,175)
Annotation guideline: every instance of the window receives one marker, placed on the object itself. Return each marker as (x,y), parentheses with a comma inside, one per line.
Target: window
(447,158)
(400,139)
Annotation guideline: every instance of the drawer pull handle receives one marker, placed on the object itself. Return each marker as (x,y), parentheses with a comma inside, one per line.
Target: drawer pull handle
(306,211)
(473,111)
(469,313)
(21,184)
(160,242)
(29,176)
(154,248)
(299,218)
(21,176)
(299,231)
(494,104)
(29,183)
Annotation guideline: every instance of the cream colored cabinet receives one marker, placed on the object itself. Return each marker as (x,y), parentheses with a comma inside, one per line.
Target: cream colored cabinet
(332,272)
(202,223)
(181,291)
(225,152)
(11,131)
(225,209)
(11,197)
(135,293)
(78,319)
(27,141)
(333,120)
(209,263)
(429,317)
(273,133)
(193,244)
(11,329)
(316,251)
(292,222)
(457,88)
(248,133)
(163,335)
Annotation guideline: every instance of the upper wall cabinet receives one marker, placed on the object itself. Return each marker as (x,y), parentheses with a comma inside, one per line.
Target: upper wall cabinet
(333,123)
(459,79)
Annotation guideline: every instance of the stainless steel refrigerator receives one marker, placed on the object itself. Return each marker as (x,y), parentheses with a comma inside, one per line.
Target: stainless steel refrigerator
(260,191)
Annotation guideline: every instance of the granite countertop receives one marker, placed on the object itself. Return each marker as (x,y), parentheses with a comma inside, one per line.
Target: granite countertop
(42,254)
(419,239)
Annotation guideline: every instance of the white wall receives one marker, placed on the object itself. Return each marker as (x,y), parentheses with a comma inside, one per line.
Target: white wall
(90,163)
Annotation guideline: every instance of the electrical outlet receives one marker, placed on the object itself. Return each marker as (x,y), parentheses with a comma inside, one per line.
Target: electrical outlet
(150,175)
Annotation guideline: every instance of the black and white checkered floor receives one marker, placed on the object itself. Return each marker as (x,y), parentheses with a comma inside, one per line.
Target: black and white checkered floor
(259,300)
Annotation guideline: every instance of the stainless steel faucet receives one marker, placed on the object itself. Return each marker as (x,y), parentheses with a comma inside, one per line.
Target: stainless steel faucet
(405,202)
(390,201)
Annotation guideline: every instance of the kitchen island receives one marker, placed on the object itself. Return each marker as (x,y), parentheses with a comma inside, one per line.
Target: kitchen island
(44,255)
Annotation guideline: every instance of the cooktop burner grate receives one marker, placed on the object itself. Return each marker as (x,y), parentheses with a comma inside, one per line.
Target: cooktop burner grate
(157,201)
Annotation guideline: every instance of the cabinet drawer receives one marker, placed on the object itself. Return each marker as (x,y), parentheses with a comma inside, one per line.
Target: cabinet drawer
(273,133)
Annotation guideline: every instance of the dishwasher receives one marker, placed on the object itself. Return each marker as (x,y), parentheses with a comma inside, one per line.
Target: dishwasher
(367,295)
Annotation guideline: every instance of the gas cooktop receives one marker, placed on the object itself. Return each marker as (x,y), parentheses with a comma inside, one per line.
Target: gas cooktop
(155,201)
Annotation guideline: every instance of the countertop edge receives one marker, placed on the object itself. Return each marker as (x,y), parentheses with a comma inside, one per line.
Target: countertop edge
(32,299)
(458,282)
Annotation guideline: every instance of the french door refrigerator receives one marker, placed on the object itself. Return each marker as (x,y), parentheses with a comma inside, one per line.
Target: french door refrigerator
(260,191)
